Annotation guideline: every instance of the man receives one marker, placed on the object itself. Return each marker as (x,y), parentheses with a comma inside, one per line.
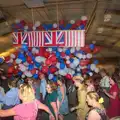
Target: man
(104,84)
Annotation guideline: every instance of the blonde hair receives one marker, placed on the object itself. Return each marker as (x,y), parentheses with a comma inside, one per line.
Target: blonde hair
(93,95)
(27,92)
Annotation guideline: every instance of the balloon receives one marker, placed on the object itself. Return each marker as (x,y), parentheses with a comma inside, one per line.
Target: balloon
(35,76)
(30,66)
(97,70)
(11,69)
(89,56)
(28,73)
(53,69)
(68,26)
(67,52)
(92,46)
(96,62)
(62,65)
(61,22)
(19,73)
(60,50)
(17,21)
(11,60)
(48,62)
(37,64)
(40,59)
(55,25)
(93,66)
(79,55)
(26,27)
(44,69)
(18,61)
(34,28)
(63,54)
(46,54)
(23,76)
(57,54)
(37,23)
(54,79)
(24,47)
(76,62)
(13,56)
(1,59)
(72,21)
(84,18)
(50,76)
(22,67)
(68,62)
(62,72)
(33,71)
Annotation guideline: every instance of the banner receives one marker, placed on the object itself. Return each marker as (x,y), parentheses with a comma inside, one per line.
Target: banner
(68,38)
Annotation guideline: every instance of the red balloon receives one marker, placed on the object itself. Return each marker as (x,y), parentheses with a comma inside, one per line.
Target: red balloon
(11,69)
(86,49)
(68,76)
(84,22)
(33,71)
(96,50)
(61,22)
(7,58)
(29,59)
(63,54)
(53,69)
(44,69)
(48,62)
(78,22)
(46,54)
(84,62)
(53,58)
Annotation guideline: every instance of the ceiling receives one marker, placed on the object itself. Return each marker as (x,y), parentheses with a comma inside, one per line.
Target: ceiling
(104,33)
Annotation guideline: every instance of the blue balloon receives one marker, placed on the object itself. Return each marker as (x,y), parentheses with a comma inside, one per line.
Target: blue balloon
(1,60)
(61,27)
(54,48)
(24,47)
(30,67)
(62,65)
(49,26)
(57,54)
(89,66)
(96,62)
(21,55)
(92,46)
(37,64)
(68,26)
(45,26)
(71,60)
(23,59)
(67,52)
(54,79)
(60,60)
(19,73)
(35,76)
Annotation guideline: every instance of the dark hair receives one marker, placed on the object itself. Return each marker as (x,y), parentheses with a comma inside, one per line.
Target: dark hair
(103,71)
(12,83)
(61,78)
(52,85)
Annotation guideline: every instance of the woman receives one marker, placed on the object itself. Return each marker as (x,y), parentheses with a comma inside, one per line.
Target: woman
(113,94)
(82,107)
(62,101)
(51,98)
(97,111)
(29,107)
(90,85)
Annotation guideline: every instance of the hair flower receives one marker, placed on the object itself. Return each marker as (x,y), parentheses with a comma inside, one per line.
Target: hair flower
(101,100)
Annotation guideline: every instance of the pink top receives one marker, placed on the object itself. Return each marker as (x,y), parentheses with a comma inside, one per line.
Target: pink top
(26,111)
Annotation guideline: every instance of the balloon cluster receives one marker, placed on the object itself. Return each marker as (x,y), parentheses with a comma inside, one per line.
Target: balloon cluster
(30,62)
(22,26)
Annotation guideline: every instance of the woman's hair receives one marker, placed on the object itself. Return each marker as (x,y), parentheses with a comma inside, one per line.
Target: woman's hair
(60,78)
(27,92)
(103,71)
(12,83)
(52,85)
(93,95)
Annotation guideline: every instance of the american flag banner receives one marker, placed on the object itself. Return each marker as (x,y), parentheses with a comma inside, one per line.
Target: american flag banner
(68,38)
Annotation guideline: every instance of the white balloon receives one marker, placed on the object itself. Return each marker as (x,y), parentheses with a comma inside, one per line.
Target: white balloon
(90,73)
(58,65)
(68,62)
(72,21)
(67,57)
(39,59)
(23,76)
(97,70)
(50,76)
(37,23)
(50,49)
(76,62)
(72,66)
(64,49)
(79,55)
(36,51)
(26,63)
(78,69)
(12,56)
(77,48)
(84,18)
(33,50)
(17,21)
(89,55)
(18,61)
(60,49)
(11,60)
(26,27)
(84,56)
(62,72)
(55,25)
(72,50)
(28,73)
(34,28)
(93,67)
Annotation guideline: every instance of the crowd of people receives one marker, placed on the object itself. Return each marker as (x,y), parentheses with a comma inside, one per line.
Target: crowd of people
(31,99)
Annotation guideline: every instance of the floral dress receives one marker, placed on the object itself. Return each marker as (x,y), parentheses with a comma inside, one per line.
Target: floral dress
(101,112)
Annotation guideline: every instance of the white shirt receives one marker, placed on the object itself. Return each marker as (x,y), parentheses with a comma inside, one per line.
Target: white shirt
(105,82)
